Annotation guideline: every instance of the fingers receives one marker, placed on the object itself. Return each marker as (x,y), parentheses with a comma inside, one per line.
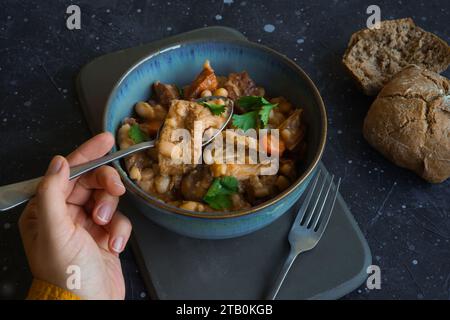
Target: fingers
(51,197)
(104,207)
(92,149)
(105,177)
(119,232)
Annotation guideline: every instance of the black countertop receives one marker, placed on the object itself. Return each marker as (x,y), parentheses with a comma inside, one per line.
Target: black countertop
(406,220)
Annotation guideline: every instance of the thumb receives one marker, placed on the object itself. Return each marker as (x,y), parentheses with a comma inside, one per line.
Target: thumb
(51,197)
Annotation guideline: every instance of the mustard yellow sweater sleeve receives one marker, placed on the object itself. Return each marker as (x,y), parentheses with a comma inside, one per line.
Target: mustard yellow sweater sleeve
(42,290)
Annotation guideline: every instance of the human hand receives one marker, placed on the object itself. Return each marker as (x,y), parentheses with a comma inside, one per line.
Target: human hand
(75,223)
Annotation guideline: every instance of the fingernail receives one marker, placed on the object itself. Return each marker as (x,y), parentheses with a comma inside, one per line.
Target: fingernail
(104,213)
(117,244)
(55,165)
(119,184)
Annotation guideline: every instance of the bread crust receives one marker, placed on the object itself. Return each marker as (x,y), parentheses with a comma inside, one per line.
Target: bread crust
(409,123)
(373,56)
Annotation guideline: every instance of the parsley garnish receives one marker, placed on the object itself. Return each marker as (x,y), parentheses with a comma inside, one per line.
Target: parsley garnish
(250,103)
(257,115)
(136,134)
(218,195)
(246,121)
(216,109)
(265,112)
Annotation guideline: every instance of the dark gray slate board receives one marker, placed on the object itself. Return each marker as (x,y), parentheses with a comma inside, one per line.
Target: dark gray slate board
(177,267)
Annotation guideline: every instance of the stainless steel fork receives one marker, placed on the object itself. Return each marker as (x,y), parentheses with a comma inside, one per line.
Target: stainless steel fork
(310,223)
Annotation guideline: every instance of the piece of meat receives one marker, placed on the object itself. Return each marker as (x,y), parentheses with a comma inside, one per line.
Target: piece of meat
(165,93)
(240,84)
(196,183)
(176,155)
(241,171)
(261,186)
(206,80)
(292,130)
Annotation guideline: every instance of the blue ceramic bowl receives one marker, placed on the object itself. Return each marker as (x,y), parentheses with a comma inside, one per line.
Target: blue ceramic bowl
(180,64)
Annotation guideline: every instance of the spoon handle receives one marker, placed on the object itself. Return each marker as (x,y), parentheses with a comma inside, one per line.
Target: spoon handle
(14,194)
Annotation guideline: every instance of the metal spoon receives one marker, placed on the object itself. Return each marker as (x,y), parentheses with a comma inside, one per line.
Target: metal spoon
(17,193)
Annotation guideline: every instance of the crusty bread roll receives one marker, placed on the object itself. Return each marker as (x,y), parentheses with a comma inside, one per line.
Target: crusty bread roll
(409,123)
(373,56)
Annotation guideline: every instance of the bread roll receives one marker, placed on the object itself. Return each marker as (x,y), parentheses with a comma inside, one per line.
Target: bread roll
(409,123)
(373,56)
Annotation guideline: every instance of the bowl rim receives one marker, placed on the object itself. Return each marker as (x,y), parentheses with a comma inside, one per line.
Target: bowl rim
(153,201)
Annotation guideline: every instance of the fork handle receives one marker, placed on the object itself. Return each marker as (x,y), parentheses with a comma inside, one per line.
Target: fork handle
(14,194)
(282,275)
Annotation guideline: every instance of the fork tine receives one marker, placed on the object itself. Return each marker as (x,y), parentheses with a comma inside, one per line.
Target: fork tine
(328,212)
(313,209)
(302,210)
(325,198)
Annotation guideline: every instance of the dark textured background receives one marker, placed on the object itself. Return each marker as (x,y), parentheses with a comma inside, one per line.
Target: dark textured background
(406,220)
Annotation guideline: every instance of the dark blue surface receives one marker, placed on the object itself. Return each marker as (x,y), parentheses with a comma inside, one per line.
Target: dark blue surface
(405,219)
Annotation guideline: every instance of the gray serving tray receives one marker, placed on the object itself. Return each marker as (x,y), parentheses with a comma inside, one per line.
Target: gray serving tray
(177,267)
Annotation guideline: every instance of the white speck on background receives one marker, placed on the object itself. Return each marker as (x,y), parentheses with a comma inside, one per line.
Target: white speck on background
(5,120)
(142,295)
(139,10)
(7,225)
(350,161)
(269,28)
(228,1)
(108,10)
(25,20)
(415,262)
(339,132)
(27,103)
(169,29)
(300,40)
(218,17)
(403,206)
(243,3)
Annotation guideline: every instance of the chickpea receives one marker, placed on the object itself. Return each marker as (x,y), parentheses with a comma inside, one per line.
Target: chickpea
(147,186)
(287,169)
(221,92)
(147,174)
(206,93)
(260,92)
(149,112)
(285,107)
(165,148)
(135,173)
(162,184)
(261,192)
(124,139)
(190,205)
(282,182)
